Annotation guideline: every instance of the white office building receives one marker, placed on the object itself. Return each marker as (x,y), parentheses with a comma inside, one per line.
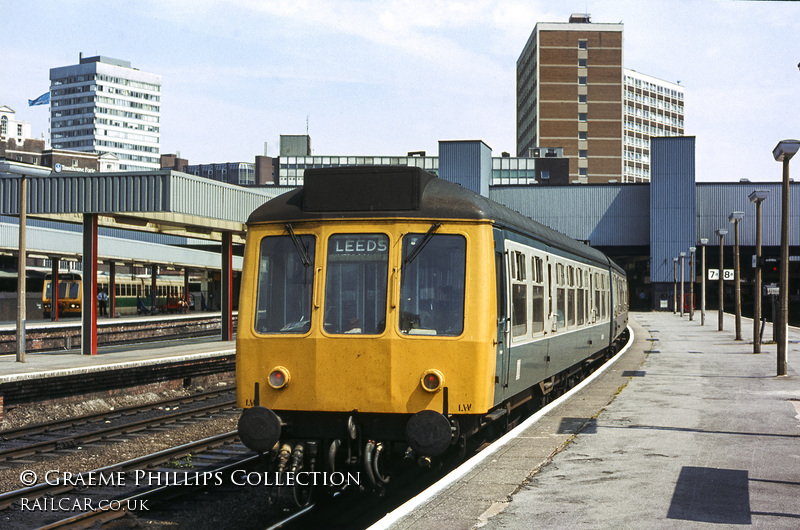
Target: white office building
(103,105)
(653,108)
(11,127)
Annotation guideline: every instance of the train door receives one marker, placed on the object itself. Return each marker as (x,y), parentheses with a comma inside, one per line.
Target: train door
(503,320)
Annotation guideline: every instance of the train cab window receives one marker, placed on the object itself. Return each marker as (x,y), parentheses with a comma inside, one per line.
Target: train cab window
(356,284)
(285,284)
(432,283)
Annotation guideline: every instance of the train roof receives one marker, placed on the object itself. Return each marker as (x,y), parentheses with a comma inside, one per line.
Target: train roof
(401,191)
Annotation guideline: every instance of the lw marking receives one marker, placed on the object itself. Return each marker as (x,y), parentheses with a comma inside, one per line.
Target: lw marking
(464,407)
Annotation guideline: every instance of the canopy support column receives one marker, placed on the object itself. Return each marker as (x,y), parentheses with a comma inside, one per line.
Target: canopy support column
(89,303)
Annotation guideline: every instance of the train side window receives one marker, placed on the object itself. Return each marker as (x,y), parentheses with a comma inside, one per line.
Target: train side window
(561,295)
(356,284)
(285,284)
(579,298)
(537,296)
(432,285)
(519,309)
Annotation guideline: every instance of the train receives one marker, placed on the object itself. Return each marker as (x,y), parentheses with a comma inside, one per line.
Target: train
(386,314)
(133,294)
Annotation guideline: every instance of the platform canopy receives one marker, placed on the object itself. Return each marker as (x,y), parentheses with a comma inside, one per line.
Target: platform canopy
(164,201)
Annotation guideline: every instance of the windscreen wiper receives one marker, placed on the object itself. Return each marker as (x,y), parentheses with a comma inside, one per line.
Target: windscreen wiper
(299,246)
(424,241)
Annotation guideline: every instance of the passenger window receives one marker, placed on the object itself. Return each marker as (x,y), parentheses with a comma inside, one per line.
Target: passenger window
(356,284)
(519,309)
(432,284)
(561,310)
(537,296)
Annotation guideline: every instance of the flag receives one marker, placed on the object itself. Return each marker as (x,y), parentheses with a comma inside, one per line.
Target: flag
(44,99)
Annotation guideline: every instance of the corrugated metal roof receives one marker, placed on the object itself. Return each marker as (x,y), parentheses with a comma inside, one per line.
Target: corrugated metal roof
(603,214)
(167,201)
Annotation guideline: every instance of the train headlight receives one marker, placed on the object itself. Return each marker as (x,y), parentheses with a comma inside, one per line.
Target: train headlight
(279,377)
(432,380)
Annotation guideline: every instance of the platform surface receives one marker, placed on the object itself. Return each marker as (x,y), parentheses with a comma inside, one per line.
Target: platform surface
(67,362)
(689,429)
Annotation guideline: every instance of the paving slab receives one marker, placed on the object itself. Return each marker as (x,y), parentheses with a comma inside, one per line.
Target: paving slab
(689,429)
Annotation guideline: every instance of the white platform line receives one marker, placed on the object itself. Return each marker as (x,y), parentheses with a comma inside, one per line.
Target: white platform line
(412,504)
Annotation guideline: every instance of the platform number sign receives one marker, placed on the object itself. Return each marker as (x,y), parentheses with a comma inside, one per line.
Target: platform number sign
(727,274)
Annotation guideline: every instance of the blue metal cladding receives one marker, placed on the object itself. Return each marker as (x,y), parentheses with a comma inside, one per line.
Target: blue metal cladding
(468,163)
(716,201)
(672,204)
(603,215)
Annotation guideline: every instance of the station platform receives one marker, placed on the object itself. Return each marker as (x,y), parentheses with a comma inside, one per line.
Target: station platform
(686,429)
(43,365)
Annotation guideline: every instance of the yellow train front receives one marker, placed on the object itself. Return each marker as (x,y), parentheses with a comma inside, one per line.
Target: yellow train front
(368,320)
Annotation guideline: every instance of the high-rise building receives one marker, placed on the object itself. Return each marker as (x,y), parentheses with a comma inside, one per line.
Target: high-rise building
(574,93)
(103,105)
(653,108)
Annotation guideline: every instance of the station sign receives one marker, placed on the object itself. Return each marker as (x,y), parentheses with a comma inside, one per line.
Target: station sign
(727,274)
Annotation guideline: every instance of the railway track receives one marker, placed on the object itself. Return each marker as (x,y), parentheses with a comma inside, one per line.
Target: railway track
(111,492)
(70,433)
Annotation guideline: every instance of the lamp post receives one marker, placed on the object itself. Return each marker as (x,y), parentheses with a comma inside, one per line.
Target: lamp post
(757,197)
(703,243)
(734,218)
(23,171)
(674,285)
(691,283)
(683,297)
(783,152)
(721,233)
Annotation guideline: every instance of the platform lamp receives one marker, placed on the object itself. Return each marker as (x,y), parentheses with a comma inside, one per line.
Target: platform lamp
(734,218)
(783,152)
(674,285)
(703,243)
(683,297)
(691,283)
(757,197)
(721,234)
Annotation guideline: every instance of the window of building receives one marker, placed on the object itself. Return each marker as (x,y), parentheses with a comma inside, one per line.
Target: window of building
(583,172)
(582,62)
(583,153)
(583,135)
(582,98)
(582,80)
(582,44)
(19,129)
(582,116)
(3,125)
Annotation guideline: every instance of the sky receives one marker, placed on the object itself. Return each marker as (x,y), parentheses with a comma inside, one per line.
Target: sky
(365,77)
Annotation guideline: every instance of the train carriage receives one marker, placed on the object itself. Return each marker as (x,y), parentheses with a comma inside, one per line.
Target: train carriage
(132,294)
(382,306)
